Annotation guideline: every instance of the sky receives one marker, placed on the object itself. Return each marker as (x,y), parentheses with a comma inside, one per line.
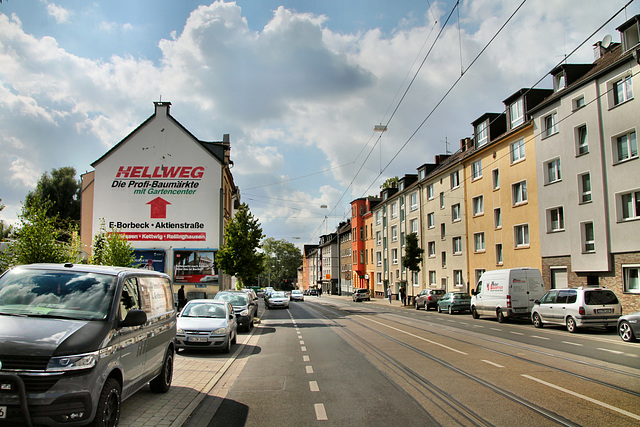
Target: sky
(298,85)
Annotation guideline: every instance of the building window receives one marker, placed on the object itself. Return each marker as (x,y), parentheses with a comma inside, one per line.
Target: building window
(477,204)
(626,147)
(394,210)
(630,278)
(578,103)
(495,174)
(430,192)
(582,144)
(455,179)
(476,169)
(414,225)
(552,171)
(442,231)
(444,260)
(497,218)
(622,90)
(521,235)
(584,187)
(379,278)
(394,256)
(442,200)
(458,281)
(517,151)
(362,256)
(516,113)
(432,278)
(378,216)
(431,249)
(379,259)
(481,134)
(478,242)
(378,238)
(630,206)
(414,201)
(519,193)
(455,212)
(457,245)
(550,125)
(559,81)
(499,259)
(588,237)
(555,220)
(431,220)
(415,277)
(394,233)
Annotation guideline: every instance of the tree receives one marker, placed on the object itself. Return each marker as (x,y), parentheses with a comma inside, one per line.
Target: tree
(281,262)
(111,248)
(5,229)
(35,239)
(63,190)
(390,183)
(239,254)
(412,253)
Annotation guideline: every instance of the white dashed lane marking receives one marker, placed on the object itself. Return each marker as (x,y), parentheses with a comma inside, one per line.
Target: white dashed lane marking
(313,386)
(321,413)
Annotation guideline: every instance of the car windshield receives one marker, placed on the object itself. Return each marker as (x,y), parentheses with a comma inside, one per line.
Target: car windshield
(235,299)
(461,296)
(205,309)
(58,294)
(600,297)
(296,292)
(277,295)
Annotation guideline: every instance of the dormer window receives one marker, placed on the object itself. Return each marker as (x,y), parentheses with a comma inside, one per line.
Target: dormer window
(630,35)
(482,134)
(516,113)
(559,81)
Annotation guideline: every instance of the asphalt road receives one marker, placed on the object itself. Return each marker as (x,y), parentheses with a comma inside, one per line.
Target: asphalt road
(329,360)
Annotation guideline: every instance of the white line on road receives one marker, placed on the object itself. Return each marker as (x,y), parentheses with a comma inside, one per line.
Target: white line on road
(299,337)
(517,333)
(309,369)
(572,343)
(301,342)
(313,386)
(493,363)
(303,348)
(463,323)
(582,396)
(611,351)
(306,359)
(496,329)
(540,338)
(416,336)
(321,413)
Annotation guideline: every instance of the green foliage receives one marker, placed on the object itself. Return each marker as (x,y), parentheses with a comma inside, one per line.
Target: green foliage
(62,189)
(111,248)
(5,229)
(281,262)
(412,253)
(390,183)
(35,239)
(238,256)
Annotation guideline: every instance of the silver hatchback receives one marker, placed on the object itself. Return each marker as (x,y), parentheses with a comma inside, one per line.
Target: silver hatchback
(577,308)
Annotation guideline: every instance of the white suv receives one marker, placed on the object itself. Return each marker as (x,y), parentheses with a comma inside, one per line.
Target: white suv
(361,294)
(577,308)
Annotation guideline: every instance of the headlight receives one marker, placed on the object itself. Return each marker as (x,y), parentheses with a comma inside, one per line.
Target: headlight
(220,331)
(179,331)
(244,312)
(72,363)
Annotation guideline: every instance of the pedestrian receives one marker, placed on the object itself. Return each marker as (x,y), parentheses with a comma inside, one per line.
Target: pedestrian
(401,292)
(319,291)
(182,301)
(389,293)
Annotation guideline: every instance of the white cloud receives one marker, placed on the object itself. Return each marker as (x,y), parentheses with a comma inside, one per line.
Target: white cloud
(60,14)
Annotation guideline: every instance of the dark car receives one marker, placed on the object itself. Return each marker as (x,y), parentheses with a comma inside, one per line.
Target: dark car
(245,307)
(428,298)
(629,327)
(454,301)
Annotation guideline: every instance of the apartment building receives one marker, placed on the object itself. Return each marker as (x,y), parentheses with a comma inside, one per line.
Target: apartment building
(329,264)
(589,172)
(361,241)
(345,250)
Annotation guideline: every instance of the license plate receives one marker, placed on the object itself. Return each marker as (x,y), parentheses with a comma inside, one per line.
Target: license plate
(3,412)
(197,339)
(605,310)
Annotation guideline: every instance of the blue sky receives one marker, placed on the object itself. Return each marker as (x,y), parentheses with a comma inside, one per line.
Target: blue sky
(297,84)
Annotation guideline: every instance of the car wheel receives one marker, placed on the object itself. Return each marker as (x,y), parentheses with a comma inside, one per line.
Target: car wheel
(162,383)
(415,304)
(625,332)
(500,316)
(235,338)
(439,309)
(450,310)
(474,313)
(108,411)
(537,321)
(227,347)
(571,324)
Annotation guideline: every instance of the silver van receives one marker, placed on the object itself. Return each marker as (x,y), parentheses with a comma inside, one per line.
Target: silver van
(76,340)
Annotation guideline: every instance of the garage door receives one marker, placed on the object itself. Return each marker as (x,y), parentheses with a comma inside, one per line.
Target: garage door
(559,278)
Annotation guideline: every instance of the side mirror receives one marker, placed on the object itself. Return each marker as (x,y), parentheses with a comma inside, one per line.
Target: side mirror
(134,318)
(536,302)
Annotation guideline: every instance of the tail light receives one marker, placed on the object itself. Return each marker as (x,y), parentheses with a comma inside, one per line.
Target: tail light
(429,297)
(581,311)
(508,301)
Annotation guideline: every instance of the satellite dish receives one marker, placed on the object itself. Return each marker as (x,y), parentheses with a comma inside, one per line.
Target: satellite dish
(606,41)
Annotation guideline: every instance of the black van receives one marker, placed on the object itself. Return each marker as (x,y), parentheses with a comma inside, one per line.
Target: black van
(76,340)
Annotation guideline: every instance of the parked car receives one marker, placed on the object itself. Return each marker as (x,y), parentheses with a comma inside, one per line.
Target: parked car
(245,307)
(296,295)
(251,292)
(428,298)
(361,294)
(313,292)
(577,308)
(277,299)
(629,327)
(207,324)
(82,338)
(454,301)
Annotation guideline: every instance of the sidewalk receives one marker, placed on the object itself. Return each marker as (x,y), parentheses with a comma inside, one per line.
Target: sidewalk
(380,301)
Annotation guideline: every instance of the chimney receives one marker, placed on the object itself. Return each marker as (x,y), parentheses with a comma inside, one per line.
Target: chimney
(598,51)
(227,149)
(162,107)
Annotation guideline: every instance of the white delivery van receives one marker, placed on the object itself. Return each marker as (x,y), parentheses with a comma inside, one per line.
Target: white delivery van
(507,293)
